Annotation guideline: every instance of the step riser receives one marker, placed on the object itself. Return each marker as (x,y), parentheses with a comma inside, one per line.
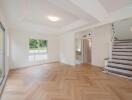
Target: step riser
(122,53)
(116,67)
(123,47)
(127,67)
(124,40)
(118,74)
(123,43)
(121,61)
(120,70)
(122,50)
(122,57)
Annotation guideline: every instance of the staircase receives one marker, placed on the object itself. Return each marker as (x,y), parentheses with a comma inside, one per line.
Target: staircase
(121,60)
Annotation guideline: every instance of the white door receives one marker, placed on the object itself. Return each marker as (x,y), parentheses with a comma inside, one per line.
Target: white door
(86,51)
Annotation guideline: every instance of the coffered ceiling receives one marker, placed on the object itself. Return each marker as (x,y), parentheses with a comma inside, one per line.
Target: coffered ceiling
(32,15)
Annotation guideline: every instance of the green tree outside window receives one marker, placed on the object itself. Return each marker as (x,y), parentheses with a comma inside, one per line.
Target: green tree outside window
(35,44)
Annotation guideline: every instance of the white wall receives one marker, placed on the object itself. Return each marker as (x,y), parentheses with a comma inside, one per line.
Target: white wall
(61,48)
(101,43)
(67,48)
(20,49)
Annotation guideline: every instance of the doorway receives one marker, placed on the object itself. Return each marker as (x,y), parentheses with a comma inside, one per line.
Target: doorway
(83,51)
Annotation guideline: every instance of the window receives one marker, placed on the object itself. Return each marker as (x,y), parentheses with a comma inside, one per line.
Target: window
(38,49)
(2,53)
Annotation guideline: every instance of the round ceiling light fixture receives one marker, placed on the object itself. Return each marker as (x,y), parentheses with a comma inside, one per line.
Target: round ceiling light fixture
(53,18)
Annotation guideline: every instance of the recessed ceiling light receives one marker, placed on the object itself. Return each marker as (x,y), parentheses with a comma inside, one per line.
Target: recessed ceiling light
(53,18)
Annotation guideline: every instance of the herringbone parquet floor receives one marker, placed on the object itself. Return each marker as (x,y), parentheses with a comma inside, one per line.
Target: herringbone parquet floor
(63,82)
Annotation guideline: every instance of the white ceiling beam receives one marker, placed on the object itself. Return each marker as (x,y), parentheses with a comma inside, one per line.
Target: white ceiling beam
(92,7)
(75,25)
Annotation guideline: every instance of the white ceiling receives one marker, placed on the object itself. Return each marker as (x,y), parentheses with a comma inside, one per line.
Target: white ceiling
(31,15)
(113,5)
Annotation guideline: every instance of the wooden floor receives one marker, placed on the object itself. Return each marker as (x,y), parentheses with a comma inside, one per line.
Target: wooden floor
(63,82)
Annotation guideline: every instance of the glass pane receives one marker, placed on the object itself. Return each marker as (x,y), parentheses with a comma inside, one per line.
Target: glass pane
(1,54)
(38,50)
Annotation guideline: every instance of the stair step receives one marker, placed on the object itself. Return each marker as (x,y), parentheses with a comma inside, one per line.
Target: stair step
(124,40)
(129,51)
(122,47)
(119,66)
(121,57)
(126,43)
(121,61)
(122,50)
(125,59)
(119,74)
(122,53)
(121,71)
